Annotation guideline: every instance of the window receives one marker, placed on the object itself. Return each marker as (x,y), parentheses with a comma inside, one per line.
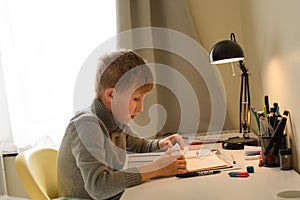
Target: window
(43,45)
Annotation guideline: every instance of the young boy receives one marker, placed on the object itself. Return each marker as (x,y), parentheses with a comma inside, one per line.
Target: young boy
(93,151)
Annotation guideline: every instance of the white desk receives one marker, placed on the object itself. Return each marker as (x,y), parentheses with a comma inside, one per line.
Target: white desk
(263,184)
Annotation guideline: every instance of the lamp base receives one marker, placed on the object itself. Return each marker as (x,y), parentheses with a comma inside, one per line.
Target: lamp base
(235,143)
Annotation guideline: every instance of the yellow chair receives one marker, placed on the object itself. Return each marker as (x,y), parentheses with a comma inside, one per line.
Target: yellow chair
(37,172)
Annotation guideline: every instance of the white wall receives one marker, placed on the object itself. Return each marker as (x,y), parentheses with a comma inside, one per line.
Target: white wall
(272,37)
(269,32)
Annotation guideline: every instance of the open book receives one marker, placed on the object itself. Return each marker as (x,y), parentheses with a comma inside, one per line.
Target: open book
(197,160)
(203,160)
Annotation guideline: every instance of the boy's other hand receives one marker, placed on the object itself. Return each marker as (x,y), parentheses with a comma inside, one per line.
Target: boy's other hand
(170,141)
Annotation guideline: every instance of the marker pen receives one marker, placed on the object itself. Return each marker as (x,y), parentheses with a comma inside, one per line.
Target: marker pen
(238,174)
(267,106)
(201,173)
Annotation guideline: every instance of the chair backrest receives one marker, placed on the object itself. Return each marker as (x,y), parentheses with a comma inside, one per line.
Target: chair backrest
(37,172)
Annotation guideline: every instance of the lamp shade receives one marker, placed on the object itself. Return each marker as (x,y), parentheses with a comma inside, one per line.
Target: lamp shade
(226,51)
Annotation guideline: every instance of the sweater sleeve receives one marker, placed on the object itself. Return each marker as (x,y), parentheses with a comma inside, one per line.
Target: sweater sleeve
(95,157)
(139,144)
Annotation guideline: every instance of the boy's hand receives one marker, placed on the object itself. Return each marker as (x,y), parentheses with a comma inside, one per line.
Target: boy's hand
(170,141)
(166,165)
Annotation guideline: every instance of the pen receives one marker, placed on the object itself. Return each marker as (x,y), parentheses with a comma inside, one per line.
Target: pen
(275,104)
(256,117)
(267,104)
(277,114)
(201,173)
(263,126)
(205,142)
(272,117)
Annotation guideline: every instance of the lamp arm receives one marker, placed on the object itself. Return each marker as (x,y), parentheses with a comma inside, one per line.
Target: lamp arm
(244,97)
(242,67)
(249,103)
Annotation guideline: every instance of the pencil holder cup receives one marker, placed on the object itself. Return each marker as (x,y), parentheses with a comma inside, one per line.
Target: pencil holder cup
(270,150)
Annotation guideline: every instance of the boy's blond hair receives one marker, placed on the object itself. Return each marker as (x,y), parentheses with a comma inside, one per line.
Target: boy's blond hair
(112,68)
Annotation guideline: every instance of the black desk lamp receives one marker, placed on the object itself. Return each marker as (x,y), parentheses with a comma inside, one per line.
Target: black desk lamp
(228,51)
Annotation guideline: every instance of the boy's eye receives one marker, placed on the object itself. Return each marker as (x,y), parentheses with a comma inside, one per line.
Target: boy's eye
(136,99)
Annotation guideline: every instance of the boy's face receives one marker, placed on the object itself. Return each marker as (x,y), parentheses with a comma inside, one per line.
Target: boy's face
(126,106)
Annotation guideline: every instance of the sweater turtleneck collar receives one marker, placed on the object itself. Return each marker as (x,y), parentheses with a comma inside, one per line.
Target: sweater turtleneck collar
(99,109)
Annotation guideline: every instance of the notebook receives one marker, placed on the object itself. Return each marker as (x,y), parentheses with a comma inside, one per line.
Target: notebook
(197,160)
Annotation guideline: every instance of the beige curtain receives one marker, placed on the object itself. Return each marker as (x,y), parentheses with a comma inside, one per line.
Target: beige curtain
(175,16)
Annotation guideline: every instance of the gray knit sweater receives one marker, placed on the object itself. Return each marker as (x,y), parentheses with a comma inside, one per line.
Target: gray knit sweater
(92,155)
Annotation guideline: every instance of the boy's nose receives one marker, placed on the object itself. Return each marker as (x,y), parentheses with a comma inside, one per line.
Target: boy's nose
(140,107)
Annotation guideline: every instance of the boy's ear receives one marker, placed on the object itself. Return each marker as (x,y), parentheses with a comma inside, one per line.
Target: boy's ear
(109,94)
